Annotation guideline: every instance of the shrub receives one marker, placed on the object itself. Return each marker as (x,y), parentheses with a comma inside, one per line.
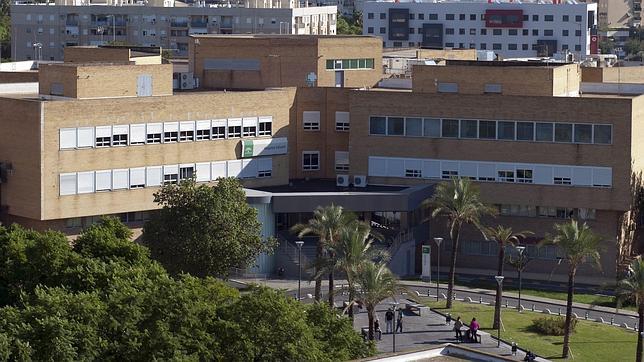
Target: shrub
(552,326)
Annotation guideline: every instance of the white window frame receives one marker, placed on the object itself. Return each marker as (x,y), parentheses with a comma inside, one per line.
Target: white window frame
(311,120)
(103,132)
(266,131)
(156,131)
(85,137)
(103,180)
(218,123)
(200,127)
(138,134)
(311,166)
(187,131)
(342,161)
(68,184)
(342,121)
(249,127)
(118,131)
(67,138)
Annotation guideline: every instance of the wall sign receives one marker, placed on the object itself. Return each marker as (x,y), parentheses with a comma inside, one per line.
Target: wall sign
(264,147)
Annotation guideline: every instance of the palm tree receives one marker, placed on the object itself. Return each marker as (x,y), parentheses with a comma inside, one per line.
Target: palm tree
(632,288)
(579,244)
(375,283)
(354,249)
(326,223)
(460,201)
(503,237)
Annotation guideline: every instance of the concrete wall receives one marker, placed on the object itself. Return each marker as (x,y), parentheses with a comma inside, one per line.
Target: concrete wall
(613,75)
(18,77)
(96,54)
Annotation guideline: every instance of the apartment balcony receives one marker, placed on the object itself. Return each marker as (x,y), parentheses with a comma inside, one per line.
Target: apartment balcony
(198,24)
(174,24)
(71,30)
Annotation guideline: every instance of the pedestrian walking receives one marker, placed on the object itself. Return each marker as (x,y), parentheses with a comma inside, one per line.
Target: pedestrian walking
(389,320)
(376,328)
(457,329)
(399,326)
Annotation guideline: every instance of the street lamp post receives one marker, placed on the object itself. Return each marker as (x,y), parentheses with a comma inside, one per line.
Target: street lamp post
(520,249)
(394,305)
(438,242)
(299,244)
(499,280)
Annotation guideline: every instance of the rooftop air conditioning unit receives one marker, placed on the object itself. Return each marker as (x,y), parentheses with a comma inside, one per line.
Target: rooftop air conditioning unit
(360,181)
(187,81)
(342,180)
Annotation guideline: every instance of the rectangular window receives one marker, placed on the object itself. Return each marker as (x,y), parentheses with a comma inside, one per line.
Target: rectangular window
(512,47)
(448,174)
(505,130)
(265,167)
(249,127)
(561,180)
(414,127)
(524,32)
(548,18)
(548,32)
(563,132)
(544,132)
(85,182)
(449,16)
(311,120)
(186,131)
(67,184)
(535,32)
(414,173)
(525,131)
(483,31)
(564,32)
(265,126)
(103,180)
(120,135)
(449,31)
(342,121)
(565,18)
(341,161)
(469,129)
(431,127)
(447,87)
(493,88)
(170,174)
(487,130)
(234,127)
(186,171)
(497,32)
(496,46)
(602,134)
(120,179)
(67,138)
(170,132)
(583,133)
(85,136)
(202,170)
(450,128)
(505,176)
(524,176)
(137,134)
(202,130)
(432,16)
(218,129)
(137,178)
(395,126)
(153,133)
(310,160)
(103,136)
(378,125)
(153,176)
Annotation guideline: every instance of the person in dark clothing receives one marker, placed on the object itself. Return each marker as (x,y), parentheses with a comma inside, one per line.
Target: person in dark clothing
(389,321)
(399,326)
(376,329)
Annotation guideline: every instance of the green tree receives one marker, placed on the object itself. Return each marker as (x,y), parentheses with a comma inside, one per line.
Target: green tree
(633,46)
(375,283)
(503,236)
(460,202)
(578,244)
(327,223)
(204,230)
(349,25)
(110,240)
(631,287)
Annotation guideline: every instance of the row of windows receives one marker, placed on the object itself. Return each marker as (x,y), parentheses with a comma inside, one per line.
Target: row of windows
(546,211)
(139,177)
(311,121)
(168,132)
(473,17)
(491,248)
(525,173)
(484,31)
(485,46)
(125,217)
(311,161)
(491,130)
(342,64)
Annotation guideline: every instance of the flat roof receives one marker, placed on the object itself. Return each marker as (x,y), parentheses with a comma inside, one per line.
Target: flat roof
(499,63)
(279,36)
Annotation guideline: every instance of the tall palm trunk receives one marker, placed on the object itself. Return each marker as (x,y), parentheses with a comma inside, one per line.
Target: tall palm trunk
(499,289)
(571,292)
(331,291)
(318,279)
(351,305)
(370,310)
(640,329)
(452,268)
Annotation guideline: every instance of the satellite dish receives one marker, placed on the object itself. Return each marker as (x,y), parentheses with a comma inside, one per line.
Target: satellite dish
(310,79)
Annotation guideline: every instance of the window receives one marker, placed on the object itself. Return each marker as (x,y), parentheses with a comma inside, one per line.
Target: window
(186,131)
(524,47)
(577,48)
(341,161)
(563,132)
(450,128)
(449,16)
(525,32)
(506,176)
(360,63)
(513,32)
(85,182)
(469,129)
(449,31)
(103,136)
(249,127)
(535,17)
(497,32)
(153,133)
(378,125)
(414,127)
(548,32)
(103,180)
(120,179)
(493,88)
(487,130)
(67,138)
(544,132)
(447,87)
(412,31)
(512,47)
(483,46)
(153,176)
(483,31)
(548,18)
(558,180)
(564,32)
(186,171)
(461,17)
(120,135)
(67,184)
(448,174)
(370,30)
(383,16)
(265,167)
(472,31)
(583,133)
(218,129)
(341,121)
(311,120)
(395,126)
(565,18)
(505,130)
(369,15)
(461,31)
(472,17)
(524,176)
(535,32)
(433,17)
(578,18)
(137,134)
(170,174)
(234,127)
(265,126)
(170,132)
(310,160)
(577,32)
(137,178)
(202,130)
(525,131)
(496,46)
(602,134)
(383,30)
(431,127)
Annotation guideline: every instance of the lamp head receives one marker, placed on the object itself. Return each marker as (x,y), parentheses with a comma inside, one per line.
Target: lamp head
(499,279)
(520,249)
(299,243)
(438,241)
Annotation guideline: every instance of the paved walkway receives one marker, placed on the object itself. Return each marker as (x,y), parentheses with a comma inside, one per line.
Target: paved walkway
(426,330)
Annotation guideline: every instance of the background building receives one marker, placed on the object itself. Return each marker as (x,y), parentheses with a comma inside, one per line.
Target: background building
(510,29)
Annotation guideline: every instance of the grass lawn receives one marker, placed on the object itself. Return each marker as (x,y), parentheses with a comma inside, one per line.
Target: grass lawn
(591,341)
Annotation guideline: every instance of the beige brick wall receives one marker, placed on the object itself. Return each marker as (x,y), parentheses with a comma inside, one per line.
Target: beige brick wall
(90,54)
(350,48)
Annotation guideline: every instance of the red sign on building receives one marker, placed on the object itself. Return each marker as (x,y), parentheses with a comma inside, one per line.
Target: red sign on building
(503,18)
(594,44)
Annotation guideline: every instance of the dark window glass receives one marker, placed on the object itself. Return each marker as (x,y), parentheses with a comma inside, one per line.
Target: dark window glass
(525,131)
(563,132)
(583,133)
(469,129)
(544,132)
(395,126)
(603,133)
(487,129)
(378,125)
(450,128)
(506,130)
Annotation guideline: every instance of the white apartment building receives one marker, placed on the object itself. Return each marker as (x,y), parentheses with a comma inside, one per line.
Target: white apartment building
(41,31)
(510,29)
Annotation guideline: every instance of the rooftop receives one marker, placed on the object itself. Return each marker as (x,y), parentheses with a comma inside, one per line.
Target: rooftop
(506,63)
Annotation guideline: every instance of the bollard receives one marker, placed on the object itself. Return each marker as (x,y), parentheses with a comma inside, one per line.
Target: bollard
(559,311)
(533,307)
(454,296)
(506,303)
(480,300)
(586,315)
(612,320)
(428,292)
